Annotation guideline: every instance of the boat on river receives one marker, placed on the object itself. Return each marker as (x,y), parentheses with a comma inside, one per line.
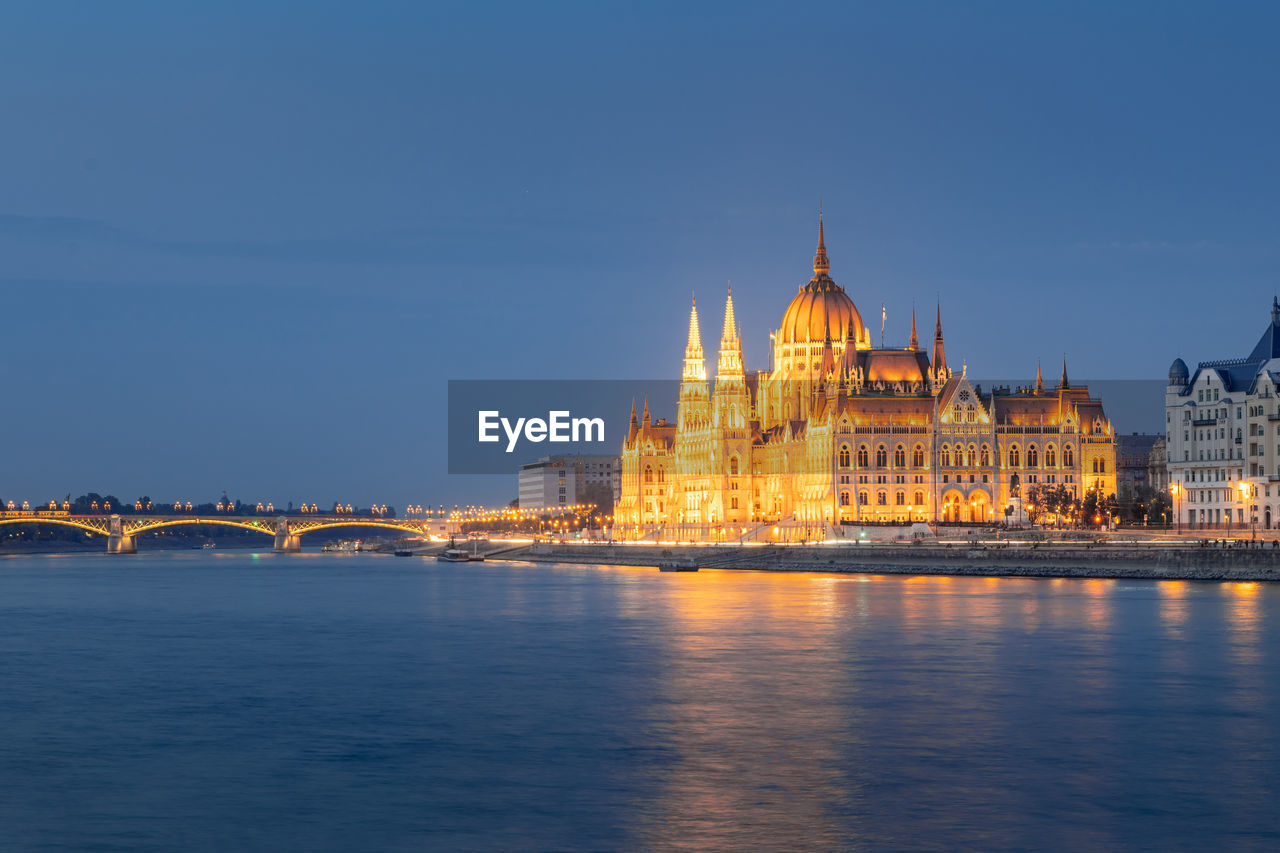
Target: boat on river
(454,554)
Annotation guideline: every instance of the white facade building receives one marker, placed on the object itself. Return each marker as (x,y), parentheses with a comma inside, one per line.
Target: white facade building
(1223,438)
(555,481)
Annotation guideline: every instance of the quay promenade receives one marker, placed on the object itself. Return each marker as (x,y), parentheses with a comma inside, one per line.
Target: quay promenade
(1148,560)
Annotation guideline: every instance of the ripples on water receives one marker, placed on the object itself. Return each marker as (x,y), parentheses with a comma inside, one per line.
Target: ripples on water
(238,701)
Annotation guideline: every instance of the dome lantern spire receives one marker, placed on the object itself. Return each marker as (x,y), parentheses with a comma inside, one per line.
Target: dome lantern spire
(821,265)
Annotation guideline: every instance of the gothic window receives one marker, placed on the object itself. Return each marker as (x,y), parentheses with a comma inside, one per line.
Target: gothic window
(900,498)
(844,498)
(1015,458)
(661,475)
(917,456)
(648,474)
(733,503)
(862,456)
(882,499)
(918,499)
(862,498)
(882,456)
(733,465)
(970,456)
(1033,456)
(1068,457)
(985,459)
(1051,457)
(946,455)
(844,456)
(900,457)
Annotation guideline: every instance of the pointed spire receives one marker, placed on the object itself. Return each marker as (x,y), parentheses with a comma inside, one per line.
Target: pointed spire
(1063,383)
(821,266)
(939,359)
(633,411)
(647,421)
(828,354)
(730,323)
(695,331)
(914,343)
(1039,379)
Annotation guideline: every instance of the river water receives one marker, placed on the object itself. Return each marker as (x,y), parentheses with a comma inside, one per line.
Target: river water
(229,700)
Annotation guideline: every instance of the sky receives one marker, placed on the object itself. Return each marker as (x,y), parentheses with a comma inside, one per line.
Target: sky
(244,246)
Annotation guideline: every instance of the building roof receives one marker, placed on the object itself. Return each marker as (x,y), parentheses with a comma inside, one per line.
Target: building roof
(1239,374)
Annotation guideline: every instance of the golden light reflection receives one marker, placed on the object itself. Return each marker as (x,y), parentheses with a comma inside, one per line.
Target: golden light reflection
(1097,609)
(1174,606)
(751,659)
(1244,619)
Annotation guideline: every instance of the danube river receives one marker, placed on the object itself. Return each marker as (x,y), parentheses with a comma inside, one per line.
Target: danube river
(228,700)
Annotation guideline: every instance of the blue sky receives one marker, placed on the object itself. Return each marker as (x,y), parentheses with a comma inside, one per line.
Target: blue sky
(244,248)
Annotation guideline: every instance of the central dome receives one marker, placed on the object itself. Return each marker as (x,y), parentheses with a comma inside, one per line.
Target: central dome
(821,305)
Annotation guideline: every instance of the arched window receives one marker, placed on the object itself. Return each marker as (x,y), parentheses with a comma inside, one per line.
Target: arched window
(648,474)
(900,457)
(918,499)
(900,498)
(661,475)
(733,465)
(1033,456)
(1015,458)
(917,456)
(844,456)
(1051,457)
(985,461)
(946,454)
(882,456)
(1068,457)
(1095,466)
(862,498)
(844,497)
(882,499)
(970,456)
(862,457)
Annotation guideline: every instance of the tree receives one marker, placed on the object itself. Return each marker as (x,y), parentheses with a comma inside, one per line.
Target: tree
(600,494)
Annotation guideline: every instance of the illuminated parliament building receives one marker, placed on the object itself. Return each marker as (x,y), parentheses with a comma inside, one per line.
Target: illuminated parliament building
(839,432)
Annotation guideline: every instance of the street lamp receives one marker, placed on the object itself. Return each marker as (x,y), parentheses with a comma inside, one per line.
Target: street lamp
(1177,514)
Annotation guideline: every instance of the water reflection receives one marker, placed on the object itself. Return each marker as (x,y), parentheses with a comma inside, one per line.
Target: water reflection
(748,705)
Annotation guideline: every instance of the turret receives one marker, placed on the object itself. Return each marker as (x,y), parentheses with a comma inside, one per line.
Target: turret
(1039,379)
(1063,383)
(914,343)
(729,408)
(939,360)
(694,404)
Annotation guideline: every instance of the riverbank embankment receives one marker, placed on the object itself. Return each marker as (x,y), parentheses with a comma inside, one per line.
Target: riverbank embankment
(1069,560)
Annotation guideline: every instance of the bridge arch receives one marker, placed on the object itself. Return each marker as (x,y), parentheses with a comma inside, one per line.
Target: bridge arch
(91,527)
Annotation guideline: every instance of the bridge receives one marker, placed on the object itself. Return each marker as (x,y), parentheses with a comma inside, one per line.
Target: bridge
(121,531)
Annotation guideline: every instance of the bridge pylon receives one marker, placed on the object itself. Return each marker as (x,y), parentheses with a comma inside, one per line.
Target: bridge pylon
(117,541)
(287,542)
